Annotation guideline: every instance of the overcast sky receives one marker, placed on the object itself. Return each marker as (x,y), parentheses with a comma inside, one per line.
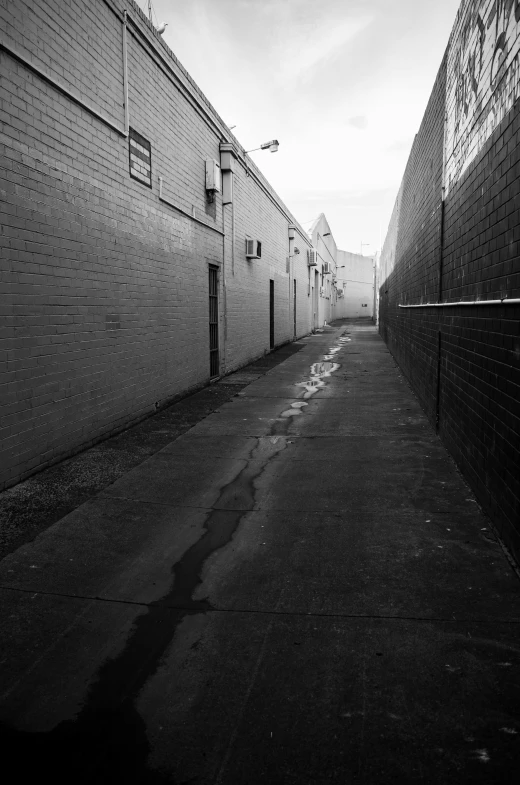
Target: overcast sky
(342,84)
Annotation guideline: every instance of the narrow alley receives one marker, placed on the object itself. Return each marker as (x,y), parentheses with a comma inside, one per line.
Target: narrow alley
(298,589)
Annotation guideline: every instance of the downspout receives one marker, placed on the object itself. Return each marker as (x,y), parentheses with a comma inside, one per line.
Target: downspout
(224,294)
(227,160)
(125,75)
(289,289)
(232,235)
(291,233)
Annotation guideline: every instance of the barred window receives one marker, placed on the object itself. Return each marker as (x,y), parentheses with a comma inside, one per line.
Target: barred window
(140,152)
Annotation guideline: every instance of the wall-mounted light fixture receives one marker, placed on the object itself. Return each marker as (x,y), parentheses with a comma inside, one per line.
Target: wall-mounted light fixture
(273,146)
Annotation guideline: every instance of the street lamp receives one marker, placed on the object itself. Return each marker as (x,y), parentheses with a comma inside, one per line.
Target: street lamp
(273,146)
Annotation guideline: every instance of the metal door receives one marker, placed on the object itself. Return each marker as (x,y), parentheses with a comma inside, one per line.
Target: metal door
(214,361)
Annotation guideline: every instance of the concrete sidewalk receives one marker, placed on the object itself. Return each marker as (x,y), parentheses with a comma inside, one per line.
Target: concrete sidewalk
(299,589)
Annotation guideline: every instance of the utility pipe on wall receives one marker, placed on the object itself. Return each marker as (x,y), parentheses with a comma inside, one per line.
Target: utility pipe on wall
(227,165)
(224,296)
(291,233)
(232,234)
(125,74)
(505,301)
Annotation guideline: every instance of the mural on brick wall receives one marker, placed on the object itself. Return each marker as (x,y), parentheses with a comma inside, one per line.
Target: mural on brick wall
(483,80)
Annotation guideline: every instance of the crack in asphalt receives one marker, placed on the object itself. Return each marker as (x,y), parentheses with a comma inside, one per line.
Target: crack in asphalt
(257,612)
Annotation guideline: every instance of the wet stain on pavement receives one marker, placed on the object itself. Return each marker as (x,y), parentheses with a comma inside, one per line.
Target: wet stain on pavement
(319,372)
(107,741)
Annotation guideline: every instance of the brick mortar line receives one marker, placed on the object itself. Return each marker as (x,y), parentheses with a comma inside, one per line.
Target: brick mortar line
(60,88)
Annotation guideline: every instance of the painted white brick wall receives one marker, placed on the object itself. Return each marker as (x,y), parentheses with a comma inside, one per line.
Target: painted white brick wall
(106,287)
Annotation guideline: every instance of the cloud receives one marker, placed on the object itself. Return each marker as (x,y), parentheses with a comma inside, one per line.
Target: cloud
(342,85)
(317,45)
(359,121)
(399,145)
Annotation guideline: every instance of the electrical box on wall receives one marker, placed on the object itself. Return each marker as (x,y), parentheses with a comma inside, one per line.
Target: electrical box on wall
(212,175)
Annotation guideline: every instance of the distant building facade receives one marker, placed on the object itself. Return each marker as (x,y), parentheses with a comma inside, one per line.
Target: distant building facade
(323,274)
(356,275)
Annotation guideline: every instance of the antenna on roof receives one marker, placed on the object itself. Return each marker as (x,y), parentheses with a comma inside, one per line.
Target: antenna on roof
(159,28)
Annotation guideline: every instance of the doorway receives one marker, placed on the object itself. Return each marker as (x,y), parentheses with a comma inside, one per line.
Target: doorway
(214,360)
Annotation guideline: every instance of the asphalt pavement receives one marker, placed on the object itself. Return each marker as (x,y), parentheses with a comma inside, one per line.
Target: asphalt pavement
(299,588)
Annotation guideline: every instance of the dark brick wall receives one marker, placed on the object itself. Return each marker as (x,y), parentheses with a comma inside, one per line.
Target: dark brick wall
(463,362)
(414,242)
(480,361)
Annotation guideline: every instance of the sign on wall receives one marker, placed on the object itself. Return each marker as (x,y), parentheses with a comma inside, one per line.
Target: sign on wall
(483,78)
(140,158)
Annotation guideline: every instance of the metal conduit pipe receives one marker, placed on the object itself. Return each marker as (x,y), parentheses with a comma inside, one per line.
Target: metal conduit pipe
(125,74)
(505,301)
(223,344)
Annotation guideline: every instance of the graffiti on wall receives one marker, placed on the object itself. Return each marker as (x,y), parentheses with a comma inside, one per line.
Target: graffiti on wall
(483,78)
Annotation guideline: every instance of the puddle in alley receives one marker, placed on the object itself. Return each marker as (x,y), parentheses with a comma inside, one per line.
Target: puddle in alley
(294,410)
(319,371)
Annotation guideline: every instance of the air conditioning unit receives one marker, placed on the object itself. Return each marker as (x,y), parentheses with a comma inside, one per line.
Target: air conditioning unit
(312,258)
(253,249)
(326,268)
